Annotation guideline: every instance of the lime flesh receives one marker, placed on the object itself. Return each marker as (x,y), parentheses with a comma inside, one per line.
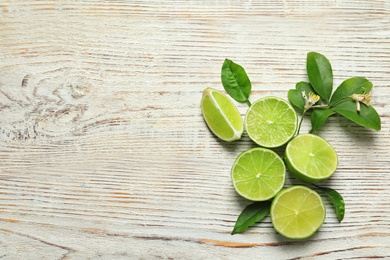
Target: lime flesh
(271,122)
(221,115)
(297,212)
(258,174)
(310,158)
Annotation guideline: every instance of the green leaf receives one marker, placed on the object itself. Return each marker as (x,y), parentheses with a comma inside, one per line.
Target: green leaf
(318,118)
(295,95)
(355,85)
(235,81)
(337,201)
(367,117)
(253,213)
(320,74)
(296,99)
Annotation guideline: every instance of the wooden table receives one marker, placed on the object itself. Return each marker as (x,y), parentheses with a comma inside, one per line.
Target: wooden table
(104,153)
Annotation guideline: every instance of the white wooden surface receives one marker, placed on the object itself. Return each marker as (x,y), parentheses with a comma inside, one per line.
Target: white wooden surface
(104,153)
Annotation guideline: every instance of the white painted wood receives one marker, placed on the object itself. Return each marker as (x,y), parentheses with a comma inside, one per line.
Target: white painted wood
(103,150)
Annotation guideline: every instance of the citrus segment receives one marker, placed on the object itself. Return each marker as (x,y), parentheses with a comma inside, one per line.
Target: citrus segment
(310,158)
(271,122)
(258,174)
(297,212)
(221,115)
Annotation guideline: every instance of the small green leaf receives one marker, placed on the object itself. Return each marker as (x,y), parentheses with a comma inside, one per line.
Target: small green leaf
(318,118)
(253,213)
(337,201)
(355,85)
(235,81)
(367,117)
(295,95)
(320,74)
(296,99)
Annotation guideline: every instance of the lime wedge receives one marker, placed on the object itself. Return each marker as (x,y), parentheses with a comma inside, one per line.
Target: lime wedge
(271,122)
(310,158)
(258,174)
(221,115)
(297,212)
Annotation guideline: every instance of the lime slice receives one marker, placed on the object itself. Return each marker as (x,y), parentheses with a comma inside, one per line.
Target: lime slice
(258,174)
(297,212)
(271,122)
(221,115)
(310,158)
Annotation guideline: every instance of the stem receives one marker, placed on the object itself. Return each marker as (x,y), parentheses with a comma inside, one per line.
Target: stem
(248,102)
(300,122)
(320,106)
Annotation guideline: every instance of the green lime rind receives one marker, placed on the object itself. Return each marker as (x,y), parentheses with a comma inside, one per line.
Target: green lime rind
(297,212)
(271,122)
(297,174)
(221,115)
(258,174)
(310,158)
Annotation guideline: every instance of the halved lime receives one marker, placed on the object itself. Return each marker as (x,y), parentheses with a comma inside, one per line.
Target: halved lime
(271,122)
(310,158)
(221,115)
(258,174)
(297,212)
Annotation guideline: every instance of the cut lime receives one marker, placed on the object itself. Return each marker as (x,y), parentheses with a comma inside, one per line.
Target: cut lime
(221,115)
(297,212)
(310,158)
(258,174)
(271,122)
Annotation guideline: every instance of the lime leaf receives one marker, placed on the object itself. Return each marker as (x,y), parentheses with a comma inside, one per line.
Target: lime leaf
(235,81)
(296,99)
(304,86)
(337,201)
(295,95)
(318,118)
(320,74)
(367,117)
(253,213)
(355,85)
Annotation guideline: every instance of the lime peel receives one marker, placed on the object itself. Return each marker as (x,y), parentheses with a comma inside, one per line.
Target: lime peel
(258,174)
(297,212)
(310,158)
(271,122)
(221,115)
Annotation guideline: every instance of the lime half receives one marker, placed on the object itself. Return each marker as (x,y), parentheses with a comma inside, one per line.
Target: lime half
(221,115)
(271,122)
(297,212)
(310,158)
(258,174)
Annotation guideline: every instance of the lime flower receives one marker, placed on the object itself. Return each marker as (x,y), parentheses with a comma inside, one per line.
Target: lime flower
(311,100)
(364,98)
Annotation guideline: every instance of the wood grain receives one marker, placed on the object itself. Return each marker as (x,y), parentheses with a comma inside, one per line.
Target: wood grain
(104,153)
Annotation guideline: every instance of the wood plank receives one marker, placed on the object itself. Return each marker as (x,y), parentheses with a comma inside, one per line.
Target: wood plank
(104,152)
